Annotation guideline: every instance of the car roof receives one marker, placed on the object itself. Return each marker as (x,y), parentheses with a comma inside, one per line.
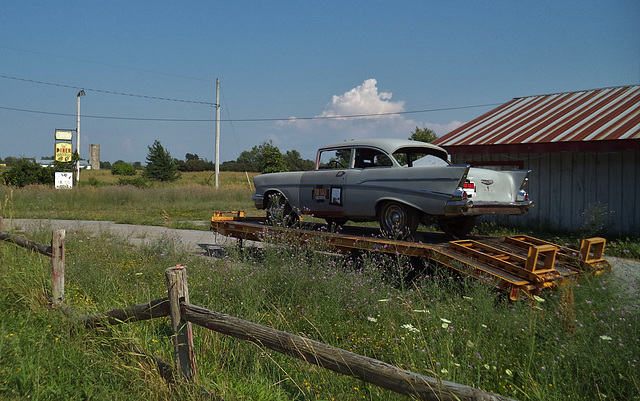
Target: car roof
(389,145)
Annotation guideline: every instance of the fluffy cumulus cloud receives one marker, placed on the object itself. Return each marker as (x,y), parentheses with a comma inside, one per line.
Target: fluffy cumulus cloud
(363,100)
(362,112)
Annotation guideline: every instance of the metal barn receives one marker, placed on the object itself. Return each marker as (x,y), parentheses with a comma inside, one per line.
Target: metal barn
(583,150)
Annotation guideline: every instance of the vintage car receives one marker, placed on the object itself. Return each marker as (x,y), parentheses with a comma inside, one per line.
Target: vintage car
(400,183)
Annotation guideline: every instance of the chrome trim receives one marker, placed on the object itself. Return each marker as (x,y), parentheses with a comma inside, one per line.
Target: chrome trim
(258,201)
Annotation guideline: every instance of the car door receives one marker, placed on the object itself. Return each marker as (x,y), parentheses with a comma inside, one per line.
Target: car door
(322,191)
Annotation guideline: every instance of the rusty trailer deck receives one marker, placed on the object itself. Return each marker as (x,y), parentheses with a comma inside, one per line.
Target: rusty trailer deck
(517,264)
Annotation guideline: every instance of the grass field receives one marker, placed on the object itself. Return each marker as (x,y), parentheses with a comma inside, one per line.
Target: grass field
(581,342)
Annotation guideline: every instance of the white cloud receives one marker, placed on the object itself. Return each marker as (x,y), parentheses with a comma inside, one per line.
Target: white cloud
(363,100)
(306,134)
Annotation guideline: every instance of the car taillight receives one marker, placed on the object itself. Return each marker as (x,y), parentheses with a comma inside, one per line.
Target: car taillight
(522,196)
(469,185)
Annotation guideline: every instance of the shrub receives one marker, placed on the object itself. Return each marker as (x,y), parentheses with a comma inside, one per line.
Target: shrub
(123,168)
(27,172)
(138,182)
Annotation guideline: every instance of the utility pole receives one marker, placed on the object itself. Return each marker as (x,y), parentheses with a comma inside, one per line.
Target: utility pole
(81,93)
(217,132)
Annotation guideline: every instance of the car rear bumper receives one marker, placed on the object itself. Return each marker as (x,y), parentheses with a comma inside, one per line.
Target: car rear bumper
(470,208)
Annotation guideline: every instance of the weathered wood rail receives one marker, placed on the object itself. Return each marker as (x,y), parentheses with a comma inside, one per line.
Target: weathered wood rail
(183,315)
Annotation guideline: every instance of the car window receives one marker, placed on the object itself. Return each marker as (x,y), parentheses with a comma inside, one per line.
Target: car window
(366,158)
(335,159)
(409,159)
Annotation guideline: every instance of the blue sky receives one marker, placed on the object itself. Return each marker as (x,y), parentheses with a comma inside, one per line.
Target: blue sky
(281,63)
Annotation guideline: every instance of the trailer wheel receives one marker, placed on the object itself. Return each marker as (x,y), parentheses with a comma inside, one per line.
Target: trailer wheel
(397,218)
(457,226)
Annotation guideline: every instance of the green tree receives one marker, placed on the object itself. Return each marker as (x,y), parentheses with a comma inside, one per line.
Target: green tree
(295,162)
(160,164)
(272,160)
(423,135)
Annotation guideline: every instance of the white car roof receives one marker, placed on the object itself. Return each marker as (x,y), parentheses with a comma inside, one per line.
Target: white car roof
(388,145)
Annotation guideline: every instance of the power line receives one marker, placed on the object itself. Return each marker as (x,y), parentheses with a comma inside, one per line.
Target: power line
(253,119)
(66,57)
(355,116)
(106,91)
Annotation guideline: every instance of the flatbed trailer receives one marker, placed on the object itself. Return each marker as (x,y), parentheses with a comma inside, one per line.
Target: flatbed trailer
(517,264)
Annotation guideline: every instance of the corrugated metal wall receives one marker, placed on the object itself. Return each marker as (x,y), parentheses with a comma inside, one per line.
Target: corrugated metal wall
(571,189)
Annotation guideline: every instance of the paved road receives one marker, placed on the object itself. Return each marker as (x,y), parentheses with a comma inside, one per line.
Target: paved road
(192,240)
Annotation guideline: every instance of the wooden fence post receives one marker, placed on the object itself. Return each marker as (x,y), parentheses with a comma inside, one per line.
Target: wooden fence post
(177,292)
(57,265)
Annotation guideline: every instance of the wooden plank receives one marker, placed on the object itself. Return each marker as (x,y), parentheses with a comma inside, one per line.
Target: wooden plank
(367,369)
(143,311)
(26,243)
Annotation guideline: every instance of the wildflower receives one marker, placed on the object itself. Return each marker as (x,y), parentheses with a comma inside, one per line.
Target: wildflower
(372,319)
(410,327)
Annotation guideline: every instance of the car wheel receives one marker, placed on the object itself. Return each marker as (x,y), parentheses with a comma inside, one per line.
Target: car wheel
(457,226)
(397,218)
(280,212)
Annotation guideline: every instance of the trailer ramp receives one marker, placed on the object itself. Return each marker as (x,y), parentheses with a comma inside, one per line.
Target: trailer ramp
(517,264)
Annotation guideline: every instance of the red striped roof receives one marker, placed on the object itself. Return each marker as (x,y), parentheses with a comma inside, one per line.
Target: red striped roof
(579,120)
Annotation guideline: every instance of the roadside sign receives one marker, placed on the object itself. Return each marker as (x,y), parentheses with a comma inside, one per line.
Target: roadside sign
(63,180)
(63,152)
(64,135)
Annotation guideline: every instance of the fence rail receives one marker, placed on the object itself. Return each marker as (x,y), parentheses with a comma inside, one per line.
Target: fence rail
(183,315)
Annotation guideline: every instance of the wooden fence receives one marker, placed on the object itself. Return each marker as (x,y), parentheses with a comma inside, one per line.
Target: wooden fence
(183,314)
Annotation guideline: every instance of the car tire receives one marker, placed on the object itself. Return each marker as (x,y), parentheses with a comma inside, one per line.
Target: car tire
(397,218)
(280,212)
(457,226)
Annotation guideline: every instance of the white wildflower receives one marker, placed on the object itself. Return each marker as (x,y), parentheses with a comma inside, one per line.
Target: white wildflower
(410,327)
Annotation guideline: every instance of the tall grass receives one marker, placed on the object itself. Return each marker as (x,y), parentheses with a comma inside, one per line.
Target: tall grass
(187,200)
(577,343)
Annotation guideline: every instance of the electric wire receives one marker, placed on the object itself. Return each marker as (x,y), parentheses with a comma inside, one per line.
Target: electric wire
(105,91)
(355,116)
(290,119)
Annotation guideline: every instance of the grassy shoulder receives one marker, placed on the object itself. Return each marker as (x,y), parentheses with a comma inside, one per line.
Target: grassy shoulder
(438,325)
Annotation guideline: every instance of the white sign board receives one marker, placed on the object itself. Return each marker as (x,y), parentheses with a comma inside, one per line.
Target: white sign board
(64,135)
(63,180)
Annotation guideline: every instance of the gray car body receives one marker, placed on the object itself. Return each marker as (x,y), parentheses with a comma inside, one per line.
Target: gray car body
(353,192)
